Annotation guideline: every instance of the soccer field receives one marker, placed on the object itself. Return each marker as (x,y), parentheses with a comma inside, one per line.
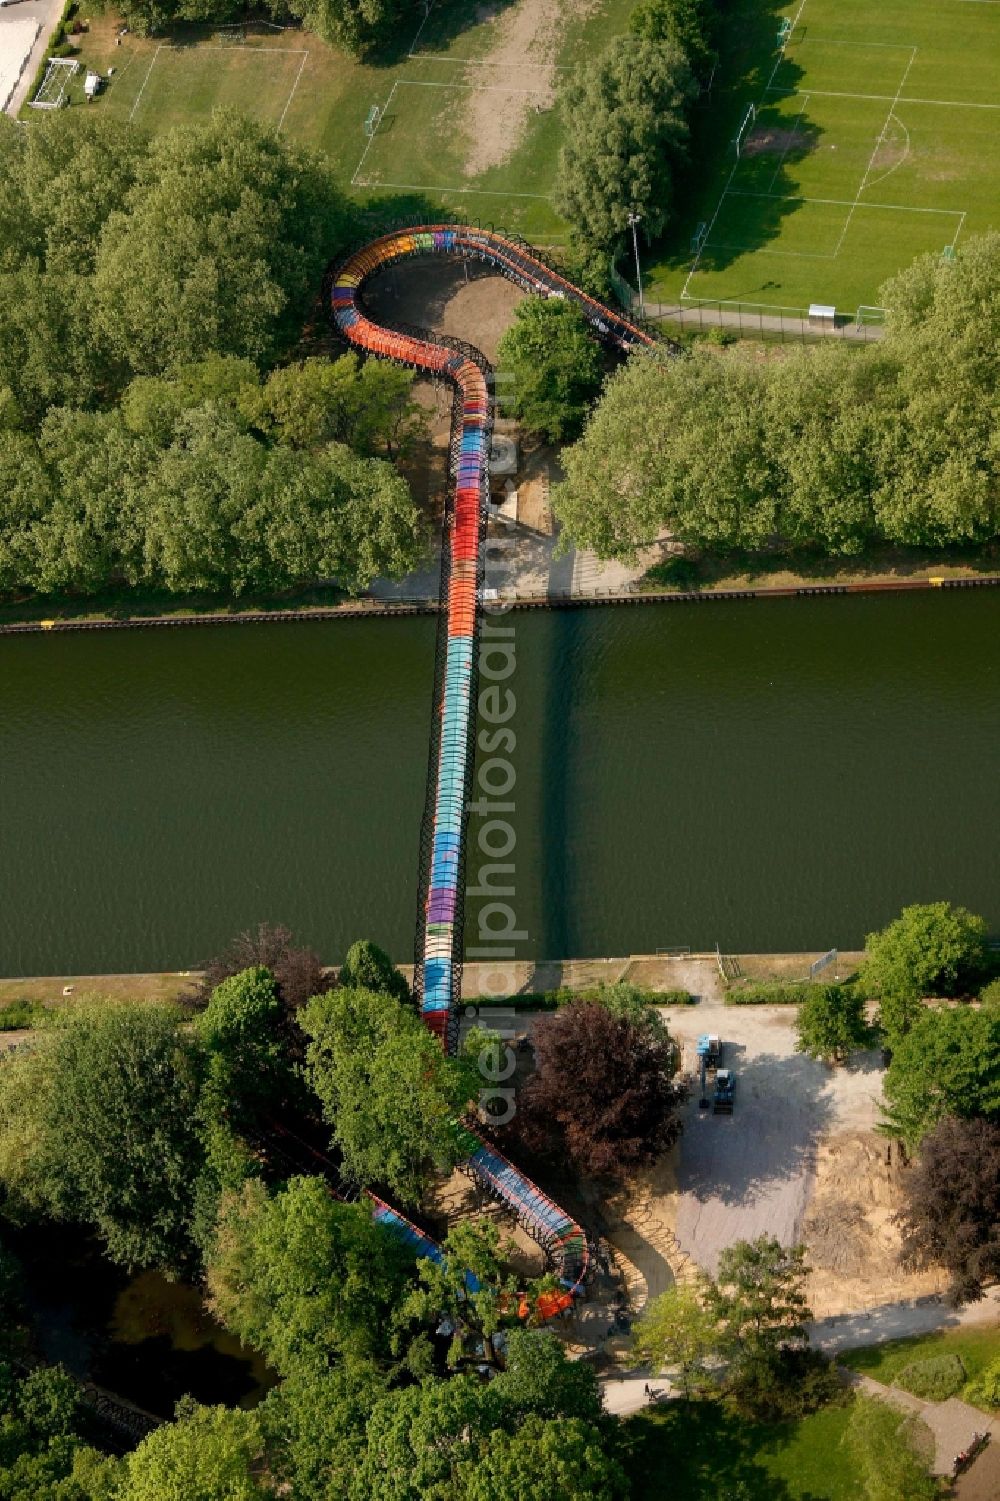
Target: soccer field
(875,132)
(874,136)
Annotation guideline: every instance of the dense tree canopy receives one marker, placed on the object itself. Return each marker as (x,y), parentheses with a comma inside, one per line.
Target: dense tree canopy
(107,1109)
(625,133)
(303,1278)
(951,1214)
(688,26)
(947,1064)
(827,448)
(168,273)
(603,1096)
(555,367)
(388,1092)
(930,950)
(831,1022)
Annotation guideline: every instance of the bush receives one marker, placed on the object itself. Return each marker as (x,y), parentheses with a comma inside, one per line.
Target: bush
(934,1379)
(990,994)
(551,1000)
(985,1390)
(20,1014)
(770,993)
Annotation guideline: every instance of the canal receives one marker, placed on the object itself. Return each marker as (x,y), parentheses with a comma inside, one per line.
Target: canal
(766,775)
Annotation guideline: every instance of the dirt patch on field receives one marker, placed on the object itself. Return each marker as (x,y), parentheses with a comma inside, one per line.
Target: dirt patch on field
(777,143)
(461,1199)
(849,1229)
(515,80)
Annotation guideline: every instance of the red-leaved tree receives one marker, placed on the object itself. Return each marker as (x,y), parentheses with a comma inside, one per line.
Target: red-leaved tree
(603,1096)
(952,1210)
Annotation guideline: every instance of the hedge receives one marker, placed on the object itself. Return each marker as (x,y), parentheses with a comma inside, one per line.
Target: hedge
(770,993)
(551,1000)
(934,1379)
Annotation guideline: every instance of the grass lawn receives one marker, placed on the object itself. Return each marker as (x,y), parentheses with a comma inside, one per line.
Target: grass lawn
(468,116)
(696,1451)
(877,132)
(876,138)
(976,1348)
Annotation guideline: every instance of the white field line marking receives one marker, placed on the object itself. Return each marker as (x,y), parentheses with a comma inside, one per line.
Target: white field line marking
(233,47)
(829,41)
(889,98)
(708,233)
(420,28)
(906,151)
(291,92)
(145,81)
(875,150)
(371,138)
(791,132)
(901,208)
(802,255)
(961,222)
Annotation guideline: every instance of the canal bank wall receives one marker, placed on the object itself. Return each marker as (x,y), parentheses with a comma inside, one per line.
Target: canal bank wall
(665,970)
(381,608)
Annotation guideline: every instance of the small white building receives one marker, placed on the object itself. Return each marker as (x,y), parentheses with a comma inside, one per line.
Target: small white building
(92,85)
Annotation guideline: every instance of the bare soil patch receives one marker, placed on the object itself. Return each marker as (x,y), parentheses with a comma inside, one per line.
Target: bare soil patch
(849,1229)
(516,79)
(776,142)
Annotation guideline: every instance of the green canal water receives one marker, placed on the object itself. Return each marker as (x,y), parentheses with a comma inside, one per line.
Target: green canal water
(765,775)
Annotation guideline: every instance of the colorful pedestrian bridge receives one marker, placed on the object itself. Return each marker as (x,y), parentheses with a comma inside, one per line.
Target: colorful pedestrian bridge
(438,972)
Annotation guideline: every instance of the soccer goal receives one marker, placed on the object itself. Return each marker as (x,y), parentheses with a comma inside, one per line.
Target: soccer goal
(52,89)
(869,317)
(748,120)
(372,119)
(784,33)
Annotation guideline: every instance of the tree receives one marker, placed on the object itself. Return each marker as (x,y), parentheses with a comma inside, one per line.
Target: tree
(603,1096)
(930,950)
(42,1455)
(951,1213)
(468,1289)
(555,365)
(212,1453)
(297,972)
(421,1441)
(114,1129)
(388,1092)
(367,967)
(539,1380)
(759,1301)
(368,406)
(560,1459)
(882,1441)
(831,1022)
(679,1330)
(947,1064)
(678,445)
(240,1032)
(218,248)
(625,133)
(361,26)
(303,1278)
(315,1427)
(687,26)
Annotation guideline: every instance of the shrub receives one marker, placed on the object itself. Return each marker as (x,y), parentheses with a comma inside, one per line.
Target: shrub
(770,993)
(20,1014)
(985,1390)
(934,1379)
(990,994)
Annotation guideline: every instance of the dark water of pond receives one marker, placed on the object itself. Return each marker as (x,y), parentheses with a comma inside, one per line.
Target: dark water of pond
(144,1338)
(766,775)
